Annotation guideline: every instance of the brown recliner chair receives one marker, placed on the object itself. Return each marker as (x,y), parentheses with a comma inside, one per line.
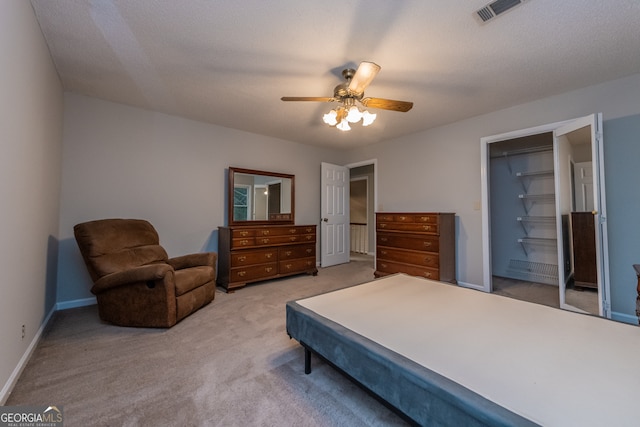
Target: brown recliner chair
(135,282)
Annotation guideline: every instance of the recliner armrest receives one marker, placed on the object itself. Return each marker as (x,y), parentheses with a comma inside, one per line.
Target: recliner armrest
(138,274)
(194,260)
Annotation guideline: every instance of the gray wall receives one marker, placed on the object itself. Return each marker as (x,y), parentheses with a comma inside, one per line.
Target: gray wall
(439,170)
(622,152)
(127,162)
(30,162)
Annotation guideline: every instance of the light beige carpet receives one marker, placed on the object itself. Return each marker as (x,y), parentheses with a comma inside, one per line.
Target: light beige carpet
(229,364)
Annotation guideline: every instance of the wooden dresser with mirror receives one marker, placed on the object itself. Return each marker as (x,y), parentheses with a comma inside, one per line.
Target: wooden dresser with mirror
(262,241)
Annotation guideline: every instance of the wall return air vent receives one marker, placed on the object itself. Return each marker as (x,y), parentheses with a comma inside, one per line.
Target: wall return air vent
(496,8)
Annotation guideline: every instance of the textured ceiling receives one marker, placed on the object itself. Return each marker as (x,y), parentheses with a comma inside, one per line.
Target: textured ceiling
(229,62)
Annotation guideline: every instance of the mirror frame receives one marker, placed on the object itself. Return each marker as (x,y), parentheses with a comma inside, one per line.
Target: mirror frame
(287,219)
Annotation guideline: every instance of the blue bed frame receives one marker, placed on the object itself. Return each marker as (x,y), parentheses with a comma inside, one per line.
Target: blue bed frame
(421,395)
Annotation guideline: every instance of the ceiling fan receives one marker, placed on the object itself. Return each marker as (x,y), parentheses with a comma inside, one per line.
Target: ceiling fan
(352,91)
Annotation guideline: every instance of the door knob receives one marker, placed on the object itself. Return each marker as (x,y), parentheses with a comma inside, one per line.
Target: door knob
(325,219)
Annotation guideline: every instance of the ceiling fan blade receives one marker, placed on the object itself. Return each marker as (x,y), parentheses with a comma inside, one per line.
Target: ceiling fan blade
(363,77)
(307,98)
(387,104)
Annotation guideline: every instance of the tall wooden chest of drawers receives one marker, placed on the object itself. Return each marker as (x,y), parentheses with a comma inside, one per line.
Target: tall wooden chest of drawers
(416,243)
(253,253)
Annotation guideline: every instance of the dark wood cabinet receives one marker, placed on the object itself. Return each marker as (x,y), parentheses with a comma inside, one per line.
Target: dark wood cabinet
(418,244)
(583,238)
(249,254)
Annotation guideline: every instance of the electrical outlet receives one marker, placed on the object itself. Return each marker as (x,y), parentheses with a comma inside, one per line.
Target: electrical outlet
(23,331)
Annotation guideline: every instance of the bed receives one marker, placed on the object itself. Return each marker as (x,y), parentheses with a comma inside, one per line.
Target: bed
(444,355)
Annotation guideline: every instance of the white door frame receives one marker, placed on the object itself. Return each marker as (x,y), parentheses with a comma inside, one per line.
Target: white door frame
(486,211)
(597,156)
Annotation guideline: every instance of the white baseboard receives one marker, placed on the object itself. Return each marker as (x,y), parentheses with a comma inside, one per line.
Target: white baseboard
(76,303)
(13,378)
(471,286)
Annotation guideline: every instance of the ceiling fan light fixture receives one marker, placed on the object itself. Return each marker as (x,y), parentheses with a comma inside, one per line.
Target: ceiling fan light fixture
(368,118)
(344,125)
(331,118)
(354,114)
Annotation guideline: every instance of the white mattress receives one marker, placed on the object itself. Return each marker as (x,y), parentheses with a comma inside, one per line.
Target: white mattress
(551,366)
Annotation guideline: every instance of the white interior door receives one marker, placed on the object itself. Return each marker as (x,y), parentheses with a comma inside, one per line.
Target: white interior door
(590,128)
(334,223)
(583,177)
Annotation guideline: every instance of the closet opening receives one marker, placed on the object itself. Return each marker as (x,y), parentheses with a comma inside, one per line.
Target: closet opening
(524,249)
(544,216)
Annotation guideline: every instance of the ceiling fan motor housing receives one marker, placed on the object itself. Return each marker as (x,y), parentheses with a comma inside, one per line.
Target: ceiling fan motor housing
(342,90)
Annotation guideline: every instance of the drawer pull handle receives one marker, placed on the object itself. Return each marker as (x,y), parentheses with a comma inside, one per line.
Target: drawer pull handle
(383,225)
(292,231)
(309,250)
(427,244)
(426,227)
(402,218)
(424,218)
(288,266)
(288,253)
(242,273)
(268,269)
(383,252)
(293,238)
(427,274)
(244,233)
(383,265)
(268,256)
(242,258)
(309,230)
(265,241)
(244,242)
(309,237)
(383,239)
(265,232)
(309,263)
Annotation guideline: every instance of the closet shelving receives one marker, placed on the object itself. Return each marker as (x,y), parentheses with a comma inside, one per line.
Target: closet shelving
(536,220)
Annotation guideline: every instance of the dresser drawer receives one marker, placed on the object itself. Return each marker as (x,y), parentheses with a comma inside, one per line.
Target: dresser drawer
(418,227)
(242,233)
(425,259)
(280,240)
(243,242)
(284,231)
(418,243)
(245,258)
(254,272)
(294,252)
(297,265)
(408,217)
(388,267)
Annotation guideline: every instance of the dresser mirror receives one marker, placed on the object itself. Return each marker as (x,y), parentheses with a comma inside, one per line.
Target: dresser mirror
(260,197)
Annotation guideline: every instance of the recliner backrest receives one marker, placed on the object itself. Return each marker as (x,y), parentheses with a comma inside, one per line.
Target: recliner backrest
(112,245)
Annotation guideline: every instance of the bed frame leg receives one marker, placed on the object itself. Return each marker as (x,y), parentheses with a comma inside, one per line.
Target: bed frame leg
(307,361)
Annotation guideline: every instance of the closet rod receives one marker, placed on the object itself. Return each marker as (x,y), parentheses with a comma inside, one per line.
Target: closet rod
(519,151)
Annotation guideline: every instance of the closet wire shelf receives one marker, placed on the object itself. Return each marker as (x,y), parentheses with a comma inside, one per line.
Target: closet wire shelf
(534,270)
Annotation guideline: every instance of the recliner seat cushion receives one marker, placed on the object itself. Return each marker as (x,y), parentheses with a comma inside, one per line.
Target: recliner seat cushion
(189,279)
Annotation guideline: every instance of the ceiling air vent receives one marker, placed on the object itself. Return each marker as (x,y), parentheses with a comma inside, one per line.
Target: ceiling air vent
(496,8)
